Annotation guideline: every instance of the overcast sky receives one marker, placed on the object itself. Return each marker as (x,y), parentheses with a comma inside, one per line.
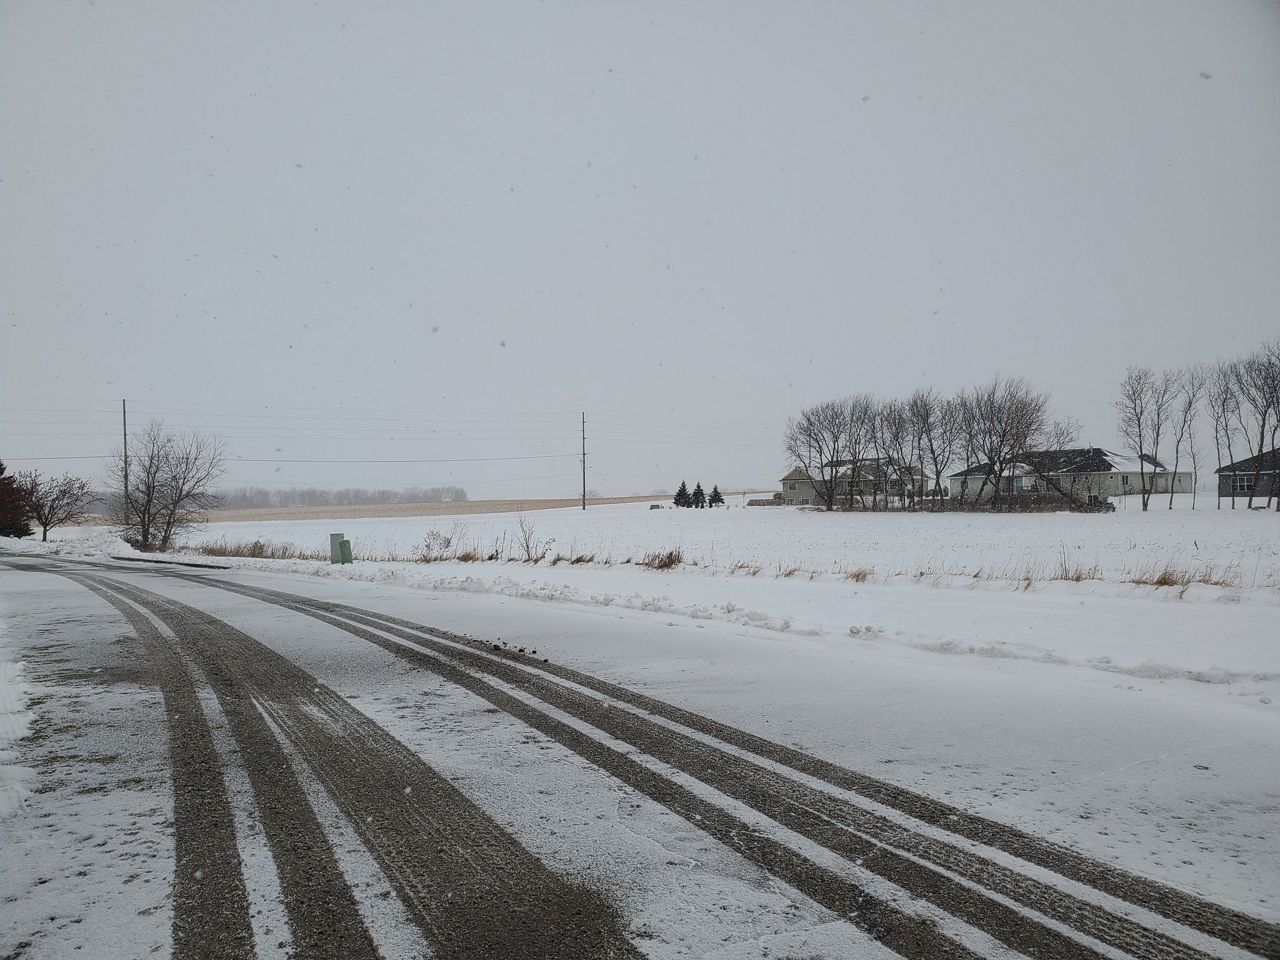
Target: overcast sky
(417,231)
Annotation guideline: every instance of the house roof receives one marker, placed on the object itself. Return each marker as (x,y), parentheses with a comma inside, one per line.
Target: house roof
(1268,462)
(871,468)
(1074,460)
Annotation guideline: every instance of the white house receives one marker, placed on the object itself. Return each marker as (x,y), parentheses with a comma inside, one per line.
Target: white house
(1085,474)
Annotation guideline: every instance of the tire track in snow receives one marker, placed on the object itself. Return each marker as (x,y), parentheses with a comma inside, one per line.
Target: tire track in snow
(1230,926)
(729,773)
(210,902)
(911,936)
(470,886)
(321,908)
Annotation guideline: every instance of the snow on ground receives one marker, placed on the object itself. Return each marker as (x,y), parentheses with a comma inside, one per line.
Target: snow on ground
(86,859)
(15,721)
(1137,723)
(949,585)
(1241,546)
(1165,776)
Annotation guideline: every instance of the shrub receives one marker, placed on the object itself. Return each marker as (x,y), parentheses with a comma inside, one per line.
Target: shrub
(435,546)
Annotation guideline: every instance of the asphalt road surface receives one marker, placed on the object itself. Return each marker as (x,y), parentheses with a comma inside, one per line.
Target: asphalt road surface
(319,777)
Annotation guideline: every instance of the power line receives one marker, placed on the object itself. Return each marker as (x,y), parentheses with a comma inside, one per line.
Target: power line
(548,456)
(383,485)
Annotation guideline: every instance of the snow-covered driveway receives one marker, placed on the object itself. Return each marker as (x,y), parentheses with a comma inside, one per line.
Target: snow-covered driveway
(236,764)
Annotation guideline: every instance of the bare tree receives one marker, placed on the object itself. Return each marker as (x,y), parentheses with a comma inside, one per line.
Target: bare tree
(1009,417)
(939,424)
(527,539)
(165,486)
(195,464)
(900,441)
(859,444)
(136,483)
(1190,385)
(1146,399)
(967,443)
(54,501)
(1255,379)
(1222,405)
(815,442)
(880,455)
(1272,353)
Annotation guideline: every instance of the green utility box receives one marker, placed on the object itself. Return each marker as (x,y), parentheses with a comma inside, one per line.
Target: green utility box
(345,551)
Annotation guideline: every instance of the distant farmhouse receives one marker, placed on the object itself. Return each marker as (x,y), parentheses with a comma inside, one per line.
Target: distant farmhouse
(1255,476)
(1084,474)
(867,478)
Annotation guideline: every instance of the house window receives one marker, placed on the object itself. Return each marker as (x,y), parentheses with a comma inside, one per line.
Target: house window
(791,486)
(791,501)
(1124,479)
(1242,483)
(805,501)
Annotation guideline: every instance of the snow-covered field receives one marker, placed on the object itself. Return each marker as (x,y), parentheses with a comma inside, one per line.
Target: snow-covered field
(1241,547)
(1056,589)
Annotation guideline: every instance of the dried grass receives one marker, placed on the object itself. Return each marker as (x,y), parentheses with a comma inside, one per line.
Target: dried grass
(663,560)
(1168,575)
(255,550)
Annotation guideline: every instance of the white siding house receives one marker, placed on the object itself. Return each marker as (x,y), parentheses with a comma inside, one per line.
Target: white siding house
(1086,474)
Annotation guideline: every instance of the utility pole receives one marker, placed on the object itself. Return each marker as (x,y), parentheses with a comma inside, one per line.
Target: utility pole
(584,459)
(124,432)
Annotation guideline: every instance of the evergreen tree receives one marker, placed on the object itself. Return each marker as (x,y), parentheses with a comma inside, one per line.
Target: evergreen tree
(682,496)
(699,498)
(716,498)
(14,510)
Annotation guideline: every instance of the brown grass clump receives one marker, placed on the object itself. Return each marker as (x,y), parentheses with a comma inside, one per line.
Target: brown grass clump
(1075,572)
(663,560)
(858,576)
(1167,575)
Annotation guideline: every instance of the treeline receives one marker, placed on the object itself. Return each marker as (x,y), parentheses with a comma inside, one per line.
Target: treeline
(247,497)
(905,448)
(48,501)
(1240,398)
(866,451)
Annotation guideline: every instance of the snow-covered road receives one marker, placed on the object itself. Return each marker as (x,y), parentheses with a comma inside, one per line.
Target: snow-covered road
(401,773)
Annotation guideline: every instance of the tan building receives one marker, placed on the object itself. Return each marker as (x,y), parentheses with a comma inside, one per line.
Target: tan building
(871,478)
